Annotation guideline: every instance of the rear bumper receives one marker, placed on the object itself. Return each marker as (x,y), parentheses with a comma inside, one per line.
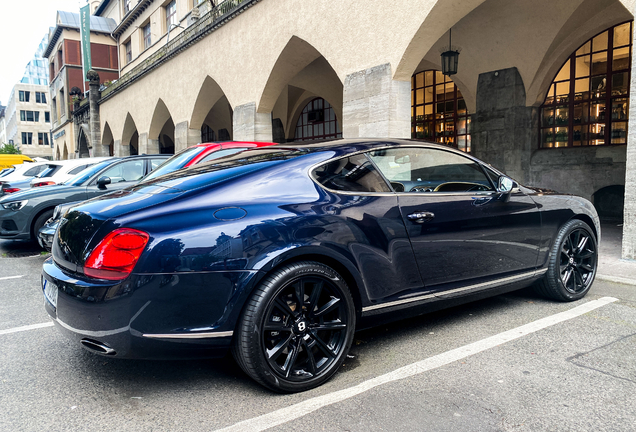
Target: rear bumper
(148,316)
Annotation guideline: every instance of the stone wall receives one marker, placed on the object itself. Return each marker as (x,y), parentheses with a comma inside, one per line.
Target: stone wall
(580,171)
(503,128)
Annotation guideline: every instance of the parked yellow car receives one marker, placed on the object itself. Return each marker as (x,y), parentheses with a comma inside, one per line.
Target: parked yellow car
(8,160)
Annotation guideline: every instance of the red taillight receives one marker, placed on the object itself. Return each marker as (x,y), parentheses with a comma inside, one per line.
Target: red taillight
(11,190)
(116,255)
(44,183)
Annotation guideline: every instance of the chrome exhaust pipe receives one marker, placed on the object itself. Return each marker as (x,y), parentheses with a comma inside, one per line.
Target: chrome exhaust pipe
(98,347)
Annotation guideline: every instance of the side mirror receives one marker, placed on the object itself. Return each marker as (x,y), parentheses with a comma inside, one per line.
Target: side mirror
(505,184)
(102,182)
(504,187)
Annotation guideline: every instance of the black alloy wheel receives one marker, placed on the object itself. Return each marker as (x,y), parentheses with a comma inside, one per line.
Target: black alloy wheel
(572,263)
(578,261)
(297,328)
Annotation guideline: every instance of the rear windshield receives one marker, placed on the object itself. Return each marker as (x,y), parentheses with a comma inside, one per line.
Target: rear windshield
(224,168)
(175,162)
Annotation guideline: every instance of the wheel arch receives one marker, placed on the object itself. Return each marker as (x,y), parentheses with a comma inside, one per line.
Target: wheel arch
(588,220)
(339,262)
(35,217)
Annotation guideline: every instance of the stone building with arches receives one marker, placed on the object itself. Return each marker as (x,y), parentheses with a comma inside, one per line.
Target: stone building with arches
(542,90)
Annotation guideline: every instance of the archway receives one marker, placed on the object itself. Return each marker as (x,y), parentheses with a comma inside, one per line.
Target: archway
(108,140)
(57,153)
(130,138)
(161,133)
(212,113)
(610,201)
(300,75)
(82,144)
(65,153)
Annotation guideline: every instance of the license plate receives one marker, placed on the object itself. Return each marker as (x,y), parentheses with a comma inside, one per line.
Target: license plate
(50,292)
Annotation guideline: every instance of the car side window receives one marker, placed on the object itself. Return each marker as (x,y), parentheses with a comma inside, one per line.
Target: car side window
(126,171)
(421,169)
(154,163)
(353,174)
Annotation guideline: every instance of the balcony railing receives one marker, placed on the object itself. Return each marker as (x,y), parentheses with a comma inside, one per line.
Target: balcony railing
(213,19)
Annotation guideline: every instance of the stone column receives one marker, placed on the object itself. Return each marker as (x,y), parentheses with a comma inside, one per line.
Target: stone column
(185,137)
(504,129)
(250,125)
(376,106)
(147,145)
(629,210)
(93,123)
(121,150)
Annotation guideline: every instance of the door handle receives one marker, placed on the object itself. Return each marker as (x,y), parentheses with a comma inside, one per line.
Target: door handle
(421,217)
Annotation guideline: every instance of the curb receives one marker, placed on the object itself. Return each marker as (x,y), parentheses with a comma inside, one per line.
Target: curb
(616,279)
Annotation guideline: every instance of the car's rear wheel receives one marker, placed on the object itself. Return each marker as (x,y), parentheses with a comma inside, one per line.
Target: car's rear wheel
(571,264)
(296,328)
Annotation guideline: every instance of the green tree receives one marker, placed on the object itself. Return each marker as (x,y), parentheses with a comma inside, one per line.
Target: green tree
(9,149)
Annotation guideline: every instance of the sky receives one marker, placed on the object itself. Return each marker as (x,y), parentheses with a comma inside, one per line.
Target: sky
(23,24)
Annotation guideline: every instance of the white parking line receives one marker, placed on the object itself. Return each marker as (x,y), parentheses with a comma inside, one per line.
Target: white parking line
(298,410)
(11,277)
(25,328)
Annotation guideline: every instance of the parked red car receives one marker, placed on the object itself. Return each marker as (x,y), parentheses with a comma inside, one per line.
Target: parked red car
(202,153)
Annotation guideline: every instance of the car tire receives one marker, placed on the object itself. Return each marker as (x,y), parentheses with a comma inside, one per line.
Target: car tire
(296,328)
(572,263)
(39,223)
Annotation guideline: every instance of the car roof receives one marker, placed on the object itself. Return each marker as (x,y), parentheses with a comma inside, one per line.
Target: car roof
(347,146)
(234,144)
(80,161)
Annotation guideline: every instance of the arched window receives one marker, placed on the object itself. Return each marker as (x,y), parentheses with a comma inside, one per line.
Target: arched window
(438,110)
(588,101)
(207,134)
(317,121)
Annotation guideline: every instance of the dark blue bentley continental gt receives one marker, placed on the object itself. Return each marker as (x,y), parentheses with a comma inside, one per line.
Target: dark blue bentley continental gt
(280,253)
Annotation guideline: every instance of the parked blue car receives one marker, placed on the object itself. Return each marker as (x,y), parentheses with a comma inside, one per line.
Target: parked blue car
(281,253)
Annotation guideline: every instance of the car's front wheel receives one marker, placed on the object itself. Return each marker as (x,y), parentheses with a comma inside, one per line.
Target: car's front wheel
(571,264)
(39,223)
(296,328)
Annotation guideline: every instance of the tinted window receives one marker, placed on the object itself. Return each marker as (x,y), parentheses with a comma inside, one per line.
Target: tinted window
(354,173)
(419,169)
(49,171)
(34,171)
(88,173)
(131,170)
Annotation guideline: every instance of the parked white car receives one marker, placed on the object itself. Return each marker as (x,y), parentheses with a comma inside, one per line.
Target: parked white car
(60,171)
(25,171)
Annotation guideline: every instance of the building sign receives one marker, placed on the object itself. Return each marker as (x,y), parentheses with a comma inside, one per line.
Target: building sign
(59,134)
(85,36)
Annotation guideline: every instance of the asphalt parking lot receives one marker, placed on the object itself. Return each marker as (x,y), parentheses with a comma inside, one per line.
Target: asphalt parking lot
(510,363)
